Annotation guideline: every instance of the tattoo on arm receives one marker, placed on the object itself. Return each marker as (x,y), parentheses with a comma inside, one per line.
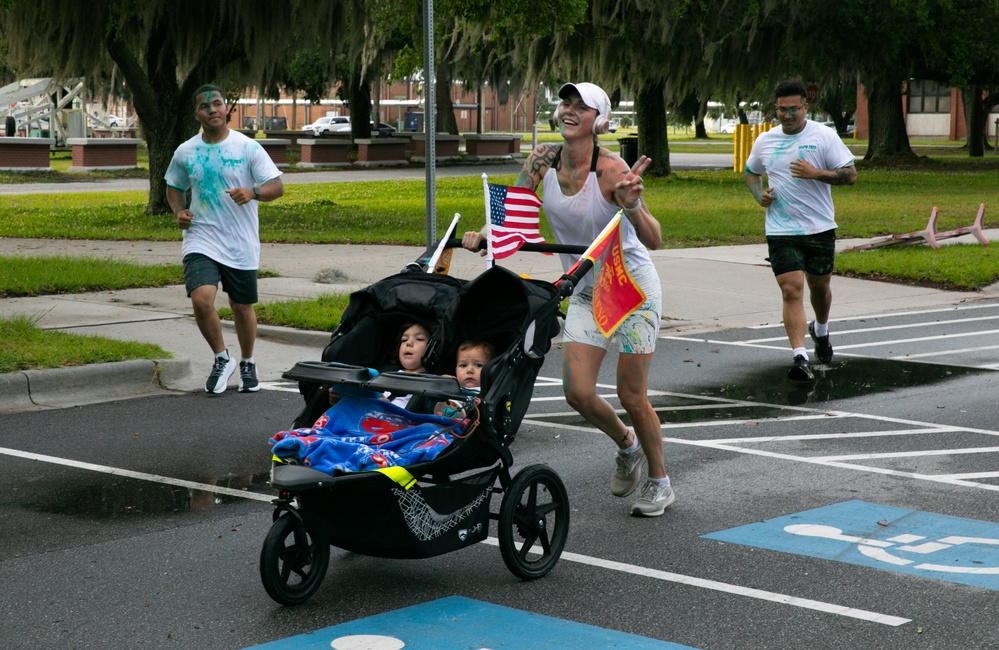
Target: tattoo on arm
(540,162)
(844,176)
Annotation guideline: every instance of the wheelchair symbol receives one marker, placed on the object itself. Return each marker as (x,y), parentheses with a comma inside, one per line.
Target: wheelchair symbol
(875,548)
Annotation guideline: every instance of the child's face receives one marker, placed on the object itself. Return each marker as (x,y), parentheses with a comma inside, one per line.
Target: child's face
(469,370)
(411,347)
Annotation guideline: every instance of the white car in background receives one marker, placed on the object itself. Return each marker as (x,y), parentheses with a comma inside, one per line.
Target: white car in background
(325,125)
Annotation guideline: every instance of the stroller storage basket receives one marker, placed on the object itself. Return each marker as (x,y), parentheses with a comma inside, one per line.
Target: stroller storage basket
(375,515)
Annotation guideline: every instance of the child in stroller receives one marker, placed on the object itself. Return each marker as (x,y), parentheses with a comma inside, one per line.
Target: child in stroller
(411,344)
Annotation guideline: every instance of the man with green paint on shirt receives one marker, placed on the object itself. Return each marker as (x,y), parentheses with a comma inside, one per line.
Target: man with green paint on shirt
(228,174)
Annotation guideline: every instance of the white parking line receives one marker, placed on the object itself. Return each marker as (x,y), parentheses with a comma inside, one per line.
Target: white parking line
(142,476)
(911,454)
(885,328)
(940,337)
(941,353)
(895,314)
(725,587)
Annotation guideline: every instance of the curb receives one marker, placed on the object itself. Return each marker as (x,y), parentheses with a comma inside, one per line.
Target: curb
(290,335)
(76,386)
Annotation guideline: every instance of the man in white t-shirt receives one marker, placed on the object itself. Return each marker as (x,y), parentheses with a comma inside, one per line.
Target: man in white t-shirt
(802,161)
(227,174)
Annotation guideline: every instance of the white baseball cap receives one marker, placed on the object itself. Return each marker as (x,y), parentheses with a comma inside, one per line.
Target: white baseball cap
(592,95)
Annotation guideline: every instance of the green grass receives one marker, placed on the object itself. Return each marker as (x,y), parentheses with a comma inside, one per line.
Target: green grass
(35,276)
(321,314)
(26,347)
(966,267)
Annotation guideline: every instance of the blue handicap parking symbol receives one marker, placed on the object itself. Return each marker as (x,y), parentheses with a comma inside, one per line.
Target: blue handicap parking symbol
(455,623)
(924,544)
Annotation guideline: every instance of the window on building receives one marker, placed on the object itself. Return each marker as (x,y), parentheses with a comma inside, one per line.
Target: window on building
(928,96)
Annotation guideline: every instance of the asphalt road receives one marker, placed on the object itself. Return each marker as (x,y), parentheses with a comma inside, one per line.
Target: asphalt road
(139,523)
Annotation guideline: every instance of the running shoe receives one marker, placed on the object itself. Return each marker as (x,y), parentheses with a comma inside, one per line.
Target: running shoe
(628,471)
(823,348)
(248,377)
(653,499)
(801,370)
(219,379)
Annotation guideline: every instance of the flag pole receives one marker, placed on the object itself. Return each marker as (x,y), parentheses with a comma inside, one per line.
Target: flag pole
(442,244)
(489,230)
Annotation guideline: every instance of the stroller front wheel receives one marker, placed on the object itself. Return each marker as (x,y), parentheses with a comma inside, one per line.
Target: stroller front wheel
(533,522)
(294,558)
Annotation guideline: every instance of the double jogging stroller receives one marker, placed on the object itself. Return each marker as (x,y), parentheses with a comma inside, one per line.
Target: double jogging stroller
(441,505)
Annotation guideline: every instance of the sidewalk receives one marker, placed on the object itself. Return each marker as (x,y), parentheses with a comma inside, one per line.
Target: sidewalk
(704,290)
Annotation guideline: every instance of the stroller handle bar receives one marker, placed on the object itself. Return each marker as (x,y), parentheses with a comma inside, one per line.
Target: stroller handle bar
(569,280)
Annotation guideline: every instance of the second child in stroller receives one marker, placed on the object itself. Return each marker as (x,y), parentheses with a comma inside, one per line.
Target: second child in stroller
(473,355)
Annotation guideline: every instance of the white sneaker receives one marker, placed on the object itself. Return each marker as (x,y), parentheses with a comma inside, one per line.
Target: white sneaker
(628,471)
(654,499)
(218,381)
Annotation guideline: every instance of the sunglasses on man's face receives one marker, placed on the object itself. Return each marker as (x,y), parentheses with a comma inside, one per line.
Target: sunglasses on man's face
(790,110)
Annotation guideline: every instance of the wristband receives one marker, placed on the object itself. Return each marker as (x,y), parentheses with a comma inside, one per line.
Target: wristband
(256,193)
(633,210)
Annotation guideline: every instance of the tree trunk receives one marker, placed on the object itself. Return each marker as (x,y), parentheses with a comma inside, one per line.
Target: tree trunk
(650,116)
(975,118)
(700,131)
(446,123)
(360,107)
(888,137)
(162,140)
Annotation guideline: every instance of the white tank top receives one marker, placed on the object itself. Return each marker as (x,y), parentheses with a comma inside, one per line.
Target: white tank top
(578,219)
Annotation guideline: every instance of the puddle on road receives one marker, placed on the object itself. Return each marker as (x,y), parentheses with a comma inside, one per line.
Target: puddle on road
(103,496)
(842,379)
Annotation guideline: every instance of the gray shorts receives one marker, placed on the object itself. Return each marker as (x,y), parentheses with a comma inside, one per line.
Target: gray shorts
(240,284)
(636,335)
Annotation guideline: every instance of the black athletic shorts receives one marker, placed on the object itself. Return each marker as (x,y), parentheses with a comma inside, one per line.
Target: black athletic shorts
(813,254)
(240,284)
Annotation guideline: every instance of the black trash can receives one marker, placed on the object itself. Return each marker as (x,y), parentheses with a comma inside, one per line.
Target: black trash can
(629,149)
(10,126)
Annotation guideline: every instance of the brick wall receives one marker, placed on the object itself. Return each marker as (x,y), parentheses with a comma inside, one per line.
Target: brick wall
(24,155)
(104,155)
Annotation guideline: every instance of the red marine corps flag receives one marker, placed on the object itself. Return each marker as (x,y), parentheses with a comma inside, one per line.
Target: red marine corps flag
(615,294)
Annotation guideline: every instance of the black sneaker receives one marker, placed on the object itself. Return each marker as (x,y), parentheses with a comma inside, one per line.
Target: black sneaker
(219,379)
(248,377)
(823,348)
(801,370)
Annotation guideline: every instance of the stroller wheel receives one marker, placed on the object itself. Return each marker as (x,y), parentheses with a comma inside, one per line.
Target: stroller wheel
(533,522)
(294,558)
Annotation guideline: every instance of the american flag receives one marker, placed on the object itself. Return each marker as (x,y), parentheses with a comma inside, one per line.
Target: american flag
(513,219)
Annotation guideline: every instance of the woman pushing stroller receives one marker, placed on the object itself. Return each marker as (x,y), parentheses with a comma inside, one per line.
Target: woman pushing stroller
(583,186)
